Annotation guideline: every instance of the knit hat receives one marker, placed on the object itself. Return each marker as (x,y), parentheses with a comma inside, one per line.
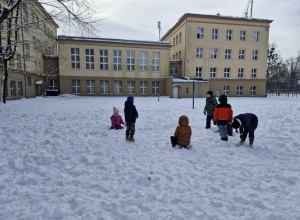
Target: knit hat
(210,92)
(116,111)
(130,98)
(223,99)
(236,123)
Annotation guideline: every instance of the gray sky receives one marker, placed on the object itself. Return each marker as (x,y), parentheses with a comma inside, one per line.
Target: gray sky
(137,19)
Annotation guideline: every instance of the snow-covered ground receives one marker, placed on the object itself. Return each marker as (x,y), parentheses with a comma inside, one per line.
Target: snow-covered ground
(58,160)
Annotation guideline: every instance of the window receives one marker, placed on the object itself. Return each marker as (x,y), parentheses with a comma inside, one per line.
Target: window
(214,34)
(174,42)
(213,71)
(174,70)
(28,81)
(241,54)
(76,89)
(27,50)
(243,35)
(254,54)
(53,84)
(117,60)
(226,90)
(89,59)
(18,61)
(90,86)
(227,54)
(200,33)
(255,36)
(187,90)
(253,90)
(130,60)
(229,35)
(75,60)
(253,73)
(198,71)
(199,52)
(179,55)
(20,88)
(118,87)
(130,87)
(214,53)
(104,86)
(35,66)
(143,61)
(103,59)
(13,88)
(177,40)
(226,72)
(143,87)
(155,87)
(176,56)
(180,37)
(155,61)
(240,90)
(240,72)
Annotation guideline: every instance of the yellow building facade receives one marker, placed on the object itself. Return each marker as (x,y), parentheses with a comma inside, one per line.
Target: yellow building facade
(229,53)
(112,67)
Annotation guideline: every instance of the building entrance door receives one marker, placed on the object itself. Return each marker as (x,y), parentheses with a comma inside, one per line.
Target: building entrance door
(175,92)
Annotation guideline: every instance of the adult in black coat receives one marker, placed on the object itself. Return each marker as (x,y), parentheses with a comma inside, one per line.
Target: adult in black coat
(247,123)
(131,115)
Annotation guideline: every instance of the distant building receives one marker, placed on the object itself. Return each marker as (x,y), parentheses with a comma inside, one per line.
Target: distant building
(112,67)
(227,55)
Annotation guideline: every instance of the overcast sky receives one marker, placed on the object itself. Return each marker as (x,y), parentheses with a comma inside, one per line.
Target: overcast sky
(137,19)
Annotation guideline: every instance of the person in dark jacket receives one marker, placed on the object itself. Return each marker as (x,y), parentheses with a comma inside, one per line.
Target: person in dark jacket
(247,123)
(209,108)
(222,116)
(131,115)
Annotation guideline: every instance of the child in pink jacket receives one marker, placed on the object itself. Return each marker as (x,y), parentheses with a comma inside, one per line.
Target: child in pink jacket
(116,120)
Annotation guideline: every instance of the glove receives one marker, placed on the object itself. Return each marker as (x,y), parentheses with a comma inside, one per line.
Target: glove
(215,123)
(204,112)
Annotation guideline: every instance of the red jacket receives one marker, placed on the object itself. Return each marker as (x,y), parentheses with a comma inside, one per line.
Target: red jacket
(223,114)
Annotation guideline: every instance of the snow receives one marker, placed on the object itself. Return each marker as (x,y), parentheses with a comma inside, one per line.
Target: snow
(58,160)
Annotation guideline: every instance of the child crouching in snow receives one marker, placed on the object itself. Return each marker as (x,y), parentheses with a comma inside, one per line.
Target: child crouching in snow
(116,120)
(183,133)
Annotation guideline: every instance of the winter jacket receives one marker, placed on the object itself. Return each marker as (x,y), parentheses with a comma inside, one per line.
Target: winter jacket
(183,132)
(130,112)
(223,112)
(210,105)
(116,121)
(249,121)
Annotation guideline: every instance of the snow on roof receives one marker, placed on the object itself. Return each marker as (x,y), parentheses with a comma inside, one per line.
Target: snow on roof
(39,82)
(187,80)
(163,43)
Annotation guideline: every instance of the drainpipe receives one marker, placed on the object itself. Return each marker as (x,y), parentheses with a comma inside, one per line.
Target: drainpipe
(184,48)
(24,58)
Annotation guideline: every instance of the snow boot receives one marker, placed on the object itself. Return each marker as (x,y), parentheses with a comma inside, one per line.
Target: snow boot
(251,143)
(131,139)
(127,138)
(240,144)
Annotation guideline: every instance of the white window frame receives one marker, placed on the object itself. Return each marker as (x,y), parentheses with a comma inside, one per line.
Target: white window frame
(199,53)
(155,87)
(213,72)
(103,55)
(226,90)
(76,87)
(143,61)
(117,60)
(104,87)
(227,54)
(90,86)
(255,36)
(214,34)
(143,87)
(226,72)
(240,72)
(89,59)
(20,88)
(214,52)
(229,35)
(75,64)
(13,88)
(239,91)
(253,90)
(198,71)
(118,87)
(130,60)
(53,84)
(17,61)
(131,87)
(200,33)
(242,35)
(253,73)
(255,55)
(241,54)
(174,70)
(155,61)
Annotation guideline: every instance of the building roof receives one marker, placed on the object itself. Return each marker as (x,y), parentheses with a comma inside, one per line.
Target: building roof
(111,40)
(183,17)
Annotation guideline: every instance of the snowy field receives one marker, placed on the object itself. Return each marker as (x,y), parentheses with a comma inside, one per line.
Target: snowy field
(58,160)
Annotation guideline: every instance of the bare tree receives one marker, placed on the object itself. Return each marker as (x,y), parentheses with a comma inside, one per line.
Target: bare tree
(16,15)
